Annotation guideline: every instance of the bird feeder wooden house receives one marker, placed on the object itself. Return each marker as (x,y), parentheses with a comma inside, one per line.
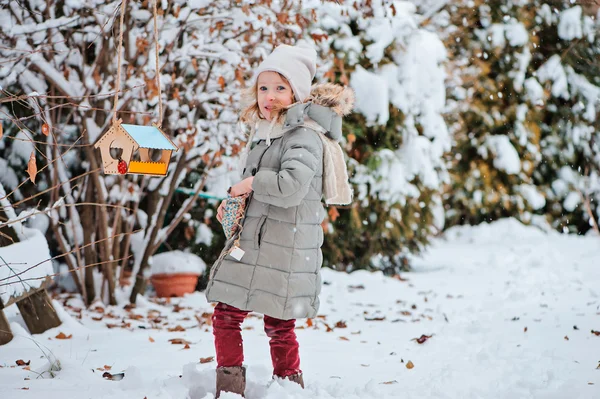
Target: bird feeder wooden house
(143,150)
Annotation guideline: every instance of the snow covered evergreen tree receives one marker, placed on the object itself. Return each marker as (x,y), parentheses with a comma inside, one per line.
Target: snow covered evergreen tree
(396,138)
(523,111)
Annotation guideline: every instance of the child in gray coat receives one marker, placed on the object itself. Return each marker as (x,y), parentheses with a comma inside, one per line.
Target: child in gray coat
(297,161)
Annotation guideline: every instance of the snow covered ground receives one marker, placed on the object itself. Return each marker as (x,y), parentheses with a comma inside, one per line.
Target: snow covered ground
(510,309)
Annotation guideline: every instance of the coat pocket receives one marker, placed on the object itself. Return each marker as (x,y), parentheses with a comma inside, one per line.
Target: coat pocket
(260,231)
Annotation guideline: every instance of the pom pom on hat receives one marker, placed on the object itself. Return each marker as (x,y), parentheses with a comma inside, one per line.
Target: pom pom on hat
(298,64)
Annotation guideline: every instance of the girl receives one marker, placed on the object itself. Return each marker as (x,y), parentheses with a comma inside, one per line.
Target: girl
(296,161)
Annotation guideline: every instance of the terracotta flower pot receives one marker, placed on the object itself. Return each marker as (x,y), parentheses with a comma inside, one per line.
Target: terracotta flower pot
(170,285)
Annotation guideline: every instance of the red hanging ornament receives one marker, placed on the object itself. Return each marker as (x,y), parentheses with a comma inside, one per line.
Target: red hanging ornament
(122,167)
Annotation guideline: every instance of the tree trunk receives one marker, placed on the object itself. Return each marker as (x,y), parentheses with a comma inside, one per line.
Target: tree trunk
(89,256)
(38,313)
(8,235)
(5,332)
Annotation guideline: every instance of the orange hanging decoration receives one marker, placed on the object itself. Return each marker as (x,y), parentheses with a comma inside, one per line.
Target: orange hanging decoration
(45,129)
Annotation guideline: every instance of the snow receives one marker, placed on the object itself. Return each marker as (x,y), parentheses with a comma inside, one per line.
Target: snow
(371,93)
(552,70)
(8,177)
(569,25)
(509,309)
(23,265)
(174,262)
(506,157)
(532,196)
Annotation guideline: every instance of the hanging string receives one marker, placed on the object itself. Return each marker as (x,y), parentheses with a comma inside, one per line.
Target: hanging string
(160,109)
(118,84)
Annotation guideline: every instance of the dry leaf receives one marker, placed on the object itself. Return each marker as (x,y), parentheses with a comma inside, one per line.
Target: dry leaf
(566,338)
(179,341)
(390,382)
(333,213)
(107,367)
(351,138)
(341,324)
(21,362)
(375,318)
(422,338)
(410,365)
(63,336)
(150,339)
(45,129)
(187,346)
(222,82)
(25,389)
(309,322)
(596,333)
(525,329)
(32,167)
(97,318)
(177,328)
(344,339)
(207,359)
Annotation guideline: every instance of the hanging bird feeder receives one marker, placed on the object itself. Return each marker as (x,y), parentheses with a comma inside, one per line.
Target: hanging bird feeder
(133,149)
(143,150)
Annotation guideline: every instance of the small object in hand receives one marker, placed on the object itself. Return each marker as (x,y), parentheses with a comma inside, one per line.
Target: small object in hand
(232,214)
(122,167)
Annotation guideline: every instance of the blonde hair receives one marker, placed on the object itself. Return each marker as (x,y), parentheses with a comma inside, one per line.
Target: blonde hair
(249,101)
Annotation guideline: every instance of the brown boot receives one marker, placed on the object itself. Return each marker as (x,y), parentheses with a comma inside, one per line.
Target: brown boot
(297,378)
(231,379)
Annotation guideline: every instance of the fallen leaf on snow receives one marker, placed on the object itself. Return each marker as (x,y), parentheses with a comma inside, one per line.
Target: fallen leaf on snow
(566,338)
(410,365)
(209,359)
(341,324)
(596,333)
(62,335)
(107,367)
(375,318)
(422,338)
(21,362)
(309,322)
(150,339)
(356,287)
(344,339)
(177,328)
(27,368)
(25,389)
(525,329)
(179,341)
(187,346)
(389,382)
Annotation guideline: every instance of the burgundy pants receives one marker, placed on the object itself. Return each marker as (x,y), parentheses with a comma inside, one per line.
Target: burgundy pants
(227,322)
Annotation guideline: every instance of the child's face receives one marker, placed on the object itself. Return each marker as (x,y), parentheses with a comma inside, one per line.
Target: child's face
(272,89)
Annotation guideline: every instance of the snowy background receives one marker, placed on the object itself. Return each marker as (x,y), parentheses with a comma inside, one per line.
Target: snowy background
(474,152)
(510,310)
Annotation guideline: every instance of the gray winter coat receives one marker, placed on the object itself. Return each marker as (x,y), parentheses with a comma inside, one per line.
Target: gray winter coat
(279,274)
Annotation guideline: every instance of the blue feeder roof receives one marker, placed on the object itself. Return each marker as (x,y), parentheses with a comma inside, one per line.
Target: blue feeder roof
(149,137)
